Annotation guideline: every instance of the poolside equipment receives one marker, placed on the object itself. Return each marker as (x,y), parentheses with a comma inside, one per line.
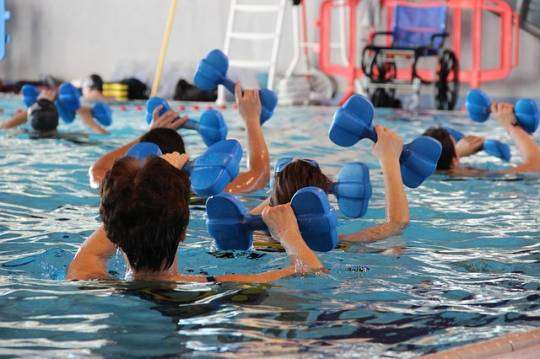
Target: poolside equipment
(116,90)
(230,224)
(479,108)
(258,12)
(212,71)
(417,32)
(492,147)
(211,125)
(211,172)
(4,37)
(310,85)
(465,22)
(354,122)
(163,50)
(352,188)
(102,113)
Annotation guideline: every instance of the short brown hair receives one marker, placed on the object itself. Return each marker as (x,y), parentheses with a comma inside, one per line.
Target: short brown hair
(295,176)
(145,210)
(448,148)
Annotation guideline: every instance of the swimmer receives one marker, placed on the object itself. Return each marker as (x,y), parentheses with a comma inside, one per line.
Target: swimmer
(92,89)
(452,152)
(302,173)
(145,211)
(44,120)
(249,107)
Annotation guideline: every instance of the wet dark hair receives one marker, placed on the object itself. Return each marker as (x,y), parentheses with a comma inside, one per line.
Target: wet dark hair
(167,139)
(145,210)
(448,148)
(295,176)
(43,116)
(95,82)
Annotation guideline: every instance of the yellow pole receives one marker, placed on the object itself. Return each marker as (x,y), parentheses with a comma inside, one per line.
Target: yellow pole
(164,46)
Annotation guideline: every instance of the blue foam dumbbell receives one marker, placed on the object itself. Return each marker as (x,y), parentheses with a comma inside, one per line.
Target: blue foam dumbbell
(479,108)
(212,71)
(30,94)
(354,122)
(492,147)
(211,125)
(230,224)
(68,102)
(211,172)
(102,113)
(352,188)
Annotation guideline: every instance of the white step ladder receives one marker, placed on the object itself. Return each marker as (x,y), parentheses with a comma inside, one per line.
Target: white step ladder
(256,9)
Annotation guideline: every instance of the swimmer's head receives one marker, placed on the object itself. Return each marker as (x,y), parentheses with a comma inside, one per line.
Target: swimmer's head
(43,116)
(94,83)
(295,176)
(449,158)
(145,211)
(167,139)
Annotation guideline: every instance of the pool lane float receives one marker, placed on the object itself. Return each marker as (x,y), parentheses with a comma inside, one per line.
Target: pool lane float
(478,106)
(212,71)
(211,125)
(210,173)
(231,226)
(68,103)
(354,122)
(492,147)
(352,188)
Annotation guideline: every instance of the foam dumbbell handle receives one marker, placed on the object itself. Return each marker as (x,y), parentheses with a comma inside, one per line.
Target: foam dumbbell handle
(492,147)
(216,168)
(212,71)
(478,106)
(232,226)
(30,95)
(211,125)
(353,189)
(353,122)
(102,113)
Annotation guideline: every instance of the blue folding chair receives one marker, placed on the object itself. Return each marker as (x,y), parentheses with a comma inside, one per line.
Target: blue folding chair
(417,32)
(4,38)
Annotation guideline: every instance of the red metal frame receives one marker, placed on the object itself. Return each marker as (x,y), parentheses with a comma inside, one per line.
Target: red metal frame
(475,75)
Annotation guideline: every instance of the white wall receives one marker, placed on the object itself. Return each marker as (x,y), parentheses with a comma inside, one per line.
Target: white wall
(116,38)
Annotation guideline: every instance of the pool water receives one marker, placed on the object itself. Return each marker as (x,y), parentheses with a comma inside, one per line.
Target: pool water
(466,269)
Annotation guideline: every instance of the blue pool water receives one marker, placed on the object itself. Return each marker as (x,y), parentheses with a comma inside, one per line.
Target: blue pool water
(466,269)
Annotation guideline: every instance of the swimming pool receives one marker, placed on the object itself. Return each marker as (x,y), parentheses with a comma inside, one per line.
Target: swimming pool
(466,269)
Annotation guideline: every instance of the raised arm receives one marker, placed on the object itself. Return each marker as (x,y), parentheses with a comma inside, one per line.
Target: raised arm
(90,262)
(529,150)
(469,145)
(104,163)
(283,226)
(258,172)
(86,115)
(388,149)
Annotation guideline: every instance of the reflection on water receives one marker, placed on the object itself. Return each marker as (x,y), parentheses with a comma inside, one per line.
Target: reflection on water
(467,268)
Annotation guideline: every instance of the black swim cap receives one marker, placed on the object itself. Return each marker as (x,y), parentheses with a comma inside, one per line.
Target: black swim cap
(43,116)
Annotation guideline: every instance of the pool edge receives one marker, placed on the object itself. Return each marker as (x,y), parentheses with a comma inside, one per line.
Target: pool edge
(519,345)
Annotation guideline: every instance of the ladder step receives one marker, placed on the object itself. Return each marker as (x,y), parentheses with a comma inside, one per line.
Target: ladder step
(249,64)
(252,35)
(256,8)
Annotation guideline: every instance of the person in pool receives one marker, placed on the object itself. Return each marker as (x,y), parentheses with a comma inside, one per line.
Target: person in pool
(249,107)
(43,116)
(92,89)
(452,152)
(145,211)
(303,173)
